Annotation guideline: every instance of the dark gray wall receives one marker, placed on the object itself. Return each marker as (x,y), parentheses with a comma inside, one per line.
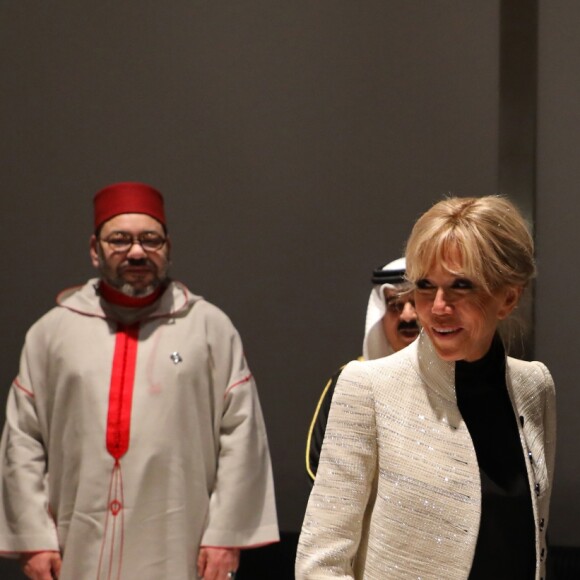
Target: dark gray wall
(295,142)
(558,240)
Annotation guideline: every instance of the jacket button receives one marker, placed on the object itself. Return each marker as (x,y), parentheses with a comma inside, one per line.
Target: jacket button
(531,457)
(537,488)
(541,524)
(522,420)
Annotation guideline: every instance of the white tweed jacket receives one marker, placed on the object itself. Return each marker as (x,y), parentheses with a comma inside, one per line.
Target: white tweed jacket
(398,494)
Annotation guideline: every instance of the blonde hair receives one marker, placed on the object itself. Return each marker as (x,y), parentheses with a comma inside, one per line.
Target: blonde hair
(489,235)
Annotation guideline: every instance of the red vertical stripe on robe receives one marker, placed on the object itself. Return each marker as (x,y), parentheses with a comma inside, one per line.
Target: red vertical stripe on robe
(121,390)
(118,435)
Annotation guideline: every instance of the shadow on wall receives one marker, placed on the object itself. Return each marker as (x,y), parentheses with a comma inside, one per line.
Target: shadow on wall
(564,563)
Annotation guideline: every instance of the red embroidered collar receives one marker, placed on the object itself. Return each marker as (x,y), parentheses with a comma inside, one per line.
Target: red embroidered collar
(113,296)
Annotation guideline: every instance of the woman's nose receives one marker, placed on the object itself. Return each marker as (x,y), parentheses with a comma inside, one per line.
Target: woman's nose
(440,303)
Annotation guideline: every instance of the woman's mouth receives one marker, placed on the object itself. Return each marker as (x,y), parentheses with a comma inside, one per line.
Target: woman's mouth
(449,331)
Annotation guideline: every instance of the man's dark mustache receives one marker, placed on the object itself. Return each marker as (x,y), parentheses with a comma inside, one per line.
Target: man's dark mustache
(404,325)
(138,261)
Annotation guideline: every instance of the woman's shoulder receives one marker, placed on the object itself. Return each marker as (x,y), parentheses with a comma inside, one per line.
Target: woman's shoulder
(391,367)
(527,368)
(529,373)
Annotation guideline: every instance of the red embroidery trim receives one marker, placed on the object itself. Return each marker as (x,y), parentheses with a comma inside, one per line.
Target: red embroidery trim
(111,553)
(240,382)
(17,384)
(115,506)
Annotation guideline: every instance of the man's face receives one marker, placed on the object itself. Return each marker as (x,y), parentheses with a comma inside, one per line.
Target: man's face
(400,319)
(136,270)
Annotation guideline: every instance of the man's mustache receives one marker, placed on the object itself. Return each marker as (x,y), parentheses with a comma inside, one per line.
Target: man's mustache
(410,325)
(137,262)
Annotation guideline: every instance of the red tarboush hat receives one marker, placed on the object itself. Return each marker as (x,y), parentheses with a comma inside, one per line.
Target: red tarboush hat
(128,197)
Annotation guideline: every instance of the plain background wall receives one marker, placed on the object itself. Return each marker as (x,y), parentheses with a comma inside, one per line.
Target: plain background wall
(558,240)
(296,142)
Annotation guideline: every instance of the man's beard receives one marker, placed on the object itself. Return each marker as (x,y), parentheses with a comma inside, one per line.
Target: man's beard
(115,279)
(128,290)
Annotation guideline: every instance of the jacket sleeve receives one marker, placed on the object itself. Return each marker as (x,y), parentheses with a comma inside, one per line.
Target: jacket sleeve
(242,510)
(318,427)
(550,423)
(25,522)
(334,520)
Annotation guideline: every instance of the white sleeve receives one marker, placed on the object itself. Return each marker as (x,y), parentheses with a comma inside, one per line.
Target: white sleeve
(242,511)
(25,522)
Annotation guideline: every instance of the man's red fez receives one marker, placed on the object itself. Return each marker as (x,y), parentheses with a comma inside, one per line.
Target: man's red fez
(128,197)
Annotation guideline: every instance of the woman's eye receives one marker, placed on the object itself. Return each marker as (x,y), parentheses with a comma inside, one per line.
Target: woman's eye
(463,284)
(424,284)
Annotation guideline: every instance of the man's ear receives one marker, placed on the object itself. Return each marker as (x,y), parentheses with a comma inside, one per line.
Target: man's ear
(94,251)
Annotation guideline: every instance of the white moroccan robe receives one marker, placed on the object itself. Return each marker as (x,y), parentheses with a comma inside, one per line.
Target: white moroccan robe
(132,438)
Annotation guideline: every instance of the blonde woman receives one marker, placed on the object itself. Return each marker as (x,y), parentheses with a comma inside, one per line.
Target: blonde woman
(438,460)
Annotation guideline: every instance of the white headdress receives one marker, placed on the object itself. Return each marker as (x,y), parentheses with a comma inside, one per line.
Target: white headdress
(391,276)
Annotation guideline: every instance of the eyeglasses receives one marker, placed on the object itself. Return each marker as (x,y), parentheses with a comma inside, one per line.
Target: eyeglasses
(123,241)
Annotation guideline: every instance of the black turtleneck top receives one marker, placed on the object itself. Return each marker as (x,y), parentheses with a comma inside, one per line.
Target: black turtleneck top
(505,547)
